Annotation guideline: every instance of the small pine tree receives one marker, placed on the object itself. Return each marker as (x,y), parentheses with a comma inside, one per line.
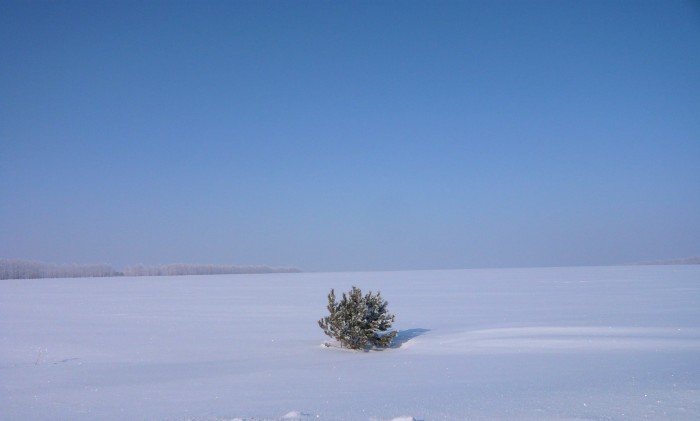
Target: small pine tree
(358,321)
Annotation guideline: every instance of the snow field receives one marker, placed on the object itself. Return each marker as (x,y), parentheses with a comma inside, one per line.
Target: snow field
(612,343)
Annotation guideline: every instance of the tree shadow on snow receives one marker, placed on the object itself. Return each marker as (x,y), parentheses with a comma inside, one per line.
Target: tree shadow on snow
(406,335)
(401,338)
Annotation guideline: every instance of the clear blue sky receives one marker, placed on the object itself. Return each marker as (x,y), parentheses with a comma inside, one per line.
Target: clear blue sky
(371,135)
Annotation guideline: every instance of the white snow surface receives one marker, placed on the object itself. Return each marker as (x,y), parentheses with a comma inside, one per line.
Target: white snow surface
(594,343)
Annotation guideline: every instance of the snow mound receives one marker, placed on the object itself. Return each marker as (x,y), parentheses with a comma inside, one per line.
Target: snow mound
(564,339)
(403,339)
(295,416)
(335,345)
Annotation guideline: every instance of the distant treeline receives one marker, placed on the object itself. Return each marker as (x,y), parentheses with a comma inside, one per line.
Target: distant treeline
(187,269)
(682,261)
(23,269)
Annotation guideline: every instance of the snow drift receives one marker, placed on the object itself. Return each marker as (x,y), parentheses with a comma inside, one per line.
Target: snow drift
(540,344)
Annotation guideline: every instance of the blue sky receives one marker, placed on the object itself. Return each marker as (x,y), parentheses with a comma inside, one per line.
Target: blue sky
(350,135)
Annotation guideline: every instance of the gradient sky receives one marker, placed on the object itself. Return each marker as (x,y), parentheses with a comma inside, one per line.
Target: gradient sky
(337,136)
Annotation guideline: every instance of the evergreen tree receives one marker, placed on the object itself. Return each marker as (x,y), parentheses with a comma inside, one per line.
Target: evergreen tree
(358,321)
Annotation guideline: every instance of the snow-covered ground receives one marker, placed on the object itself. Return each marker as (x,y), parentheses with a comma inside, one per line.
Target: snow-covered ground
(599,343)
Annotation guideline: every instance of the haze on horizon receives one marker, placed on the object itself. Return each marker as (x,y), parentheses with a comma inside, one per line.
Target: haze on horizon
(336,136)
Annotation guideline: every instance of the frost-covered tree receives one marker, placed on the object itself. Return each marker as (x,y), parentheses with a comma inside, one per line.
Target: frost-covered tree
(23,269)
(358,321)
(197,269)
